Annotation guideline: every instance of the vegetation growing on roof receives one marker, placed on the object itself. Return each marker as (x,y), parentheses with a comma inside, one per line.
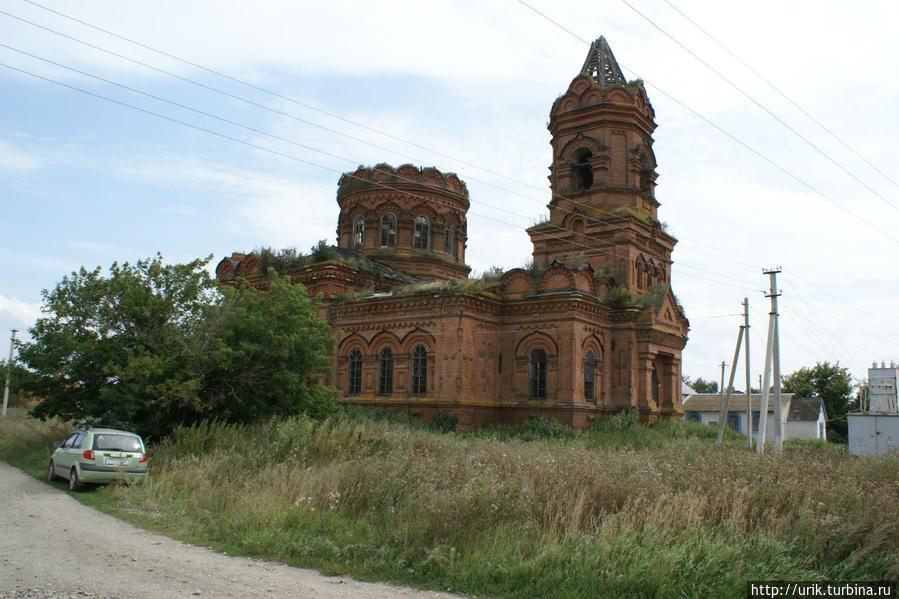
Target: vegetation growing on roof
(489,281)
(574,261)
(634,86)
(535,271)
(619,297)
(288,259)
(653,297)
(604,274)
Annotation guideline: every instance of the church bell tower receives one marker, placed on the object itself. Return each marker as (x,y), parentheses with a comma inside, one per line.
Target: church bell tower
(603,178)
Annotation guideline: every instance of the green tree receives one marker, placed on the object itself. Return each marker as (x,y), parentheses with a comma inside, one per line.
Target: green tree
(700,385)
(833,384)
(161,345)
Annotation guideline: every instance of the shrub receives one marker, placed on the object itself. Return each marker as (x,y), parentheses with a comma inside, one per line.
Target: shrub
(445,422)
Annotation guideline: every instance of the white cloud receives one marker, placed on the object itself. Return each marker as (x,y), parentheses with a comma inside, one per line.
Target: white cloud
(15,158)
(18,313)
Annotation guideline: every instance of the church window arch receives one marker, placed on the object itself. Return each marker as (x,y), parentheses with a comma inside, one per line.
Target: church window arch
(577,226)
(589,376)
(354,372)
(388,230)
(422,233)
(449,239)
(359,231)
(537,374)
(581,169)
(419,382)
(385,371)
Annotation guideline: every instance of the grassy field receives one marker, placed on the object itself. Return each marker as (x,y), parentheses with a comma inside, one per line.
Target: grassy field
(618,510)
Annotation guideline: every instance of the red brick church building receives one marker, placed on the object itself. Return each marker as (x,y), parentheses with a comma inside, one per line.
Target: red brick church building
(591,327)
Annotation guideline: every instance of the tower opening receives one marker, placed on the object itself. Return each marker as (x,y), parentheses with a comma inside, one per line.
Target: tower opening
(582,170)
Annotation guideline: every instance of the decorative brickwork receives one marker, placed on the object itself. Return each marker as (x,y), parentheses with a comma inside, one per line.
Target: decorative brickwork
(591,328)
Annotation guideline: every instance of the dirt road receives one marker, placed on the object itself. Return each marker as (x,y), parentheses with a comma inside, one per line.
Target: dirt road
(51,546)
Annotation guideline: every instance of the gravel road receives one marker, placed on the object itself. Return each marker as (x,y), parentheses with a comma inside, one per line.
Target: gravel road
(53,547)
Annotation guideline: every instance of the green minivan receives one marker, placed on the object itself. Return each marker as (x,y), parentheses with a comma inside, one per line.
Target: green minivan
(94,454)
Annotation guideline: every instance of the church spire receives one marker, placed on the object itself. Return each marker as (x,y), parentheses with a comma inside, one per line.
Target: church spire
(601,65)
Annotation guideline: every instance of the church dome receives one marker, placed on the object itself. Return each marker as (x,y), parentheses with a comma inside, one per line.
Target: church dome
(410,218)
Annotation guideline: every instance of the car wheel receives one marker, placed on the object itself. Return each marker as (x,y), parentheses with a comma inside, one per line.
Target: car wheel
(51,473)
(74,483)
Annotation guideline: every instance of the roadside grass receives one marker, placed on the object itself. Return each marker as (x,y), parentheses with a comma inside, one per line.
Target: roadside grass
(537,511)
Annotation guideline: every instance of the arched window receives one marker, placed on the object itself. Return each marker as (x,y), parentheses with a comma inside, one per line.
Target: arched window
(537,374)
(419,370)
(733,422)
(577,226)
(755,421)
(354,372)
(694,417)
(388,230)
(449,239)
(589,375)
(581,169)
(422,234)
(359,231)
(385,371)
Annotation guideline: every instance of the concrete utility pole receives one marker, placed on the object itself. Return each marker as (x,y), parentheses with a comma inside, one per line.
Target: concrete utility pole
(725,403)
(772,354)
(748,379)
(12,346)
(721,388)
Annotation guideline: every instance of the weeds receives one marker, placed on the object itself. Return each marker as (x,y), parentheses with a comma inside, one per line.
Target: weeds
(620,509)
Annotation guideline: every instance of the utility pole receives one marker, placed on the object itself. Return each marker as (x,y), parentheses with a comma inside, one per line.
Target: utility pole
(772,355)
(12,345)
(725,402)
(748,379)
(721,388)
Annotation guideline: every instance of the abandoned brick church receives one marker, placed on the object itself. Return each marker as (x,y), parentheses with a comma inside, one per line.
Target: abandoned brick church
(591,327)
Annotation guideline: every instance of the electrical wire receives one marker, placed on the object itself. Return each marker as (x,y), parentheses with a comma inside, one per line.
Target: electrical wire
(734,138)
(770,113)
(781,93)
(304,105)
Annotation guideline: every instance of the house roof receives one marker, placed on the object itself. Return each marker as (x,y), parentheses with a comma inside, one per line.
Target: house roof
(711,402)
(806,408)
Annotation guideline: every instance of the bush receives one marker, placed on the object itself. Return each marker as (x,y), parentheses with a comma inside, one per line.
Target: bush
(445,422)
(160,345)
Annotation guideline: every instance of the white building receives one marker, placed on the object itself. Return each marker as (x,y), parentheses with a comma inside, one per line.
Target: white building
(801,418)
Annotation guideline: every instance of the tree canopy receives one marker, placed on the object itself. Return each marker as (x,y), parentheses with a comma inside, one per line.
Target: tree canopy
(160,345)
(833,384)
(701,385)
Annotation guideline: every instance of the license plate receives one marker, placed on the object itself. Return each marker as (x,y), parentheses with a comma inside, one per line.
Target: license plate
(116,462)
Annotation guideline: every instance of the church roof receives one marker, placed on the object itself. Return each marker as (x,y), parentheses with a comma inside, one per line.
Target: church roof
(601,65)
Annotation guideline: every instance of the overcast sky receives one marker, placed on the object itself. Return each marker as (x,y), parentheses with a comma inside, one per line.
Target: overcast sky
(747,179)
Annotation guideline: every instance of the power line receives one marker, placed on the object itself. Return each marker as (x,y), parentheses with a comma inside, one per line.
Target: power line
(734,138)
(762,106)
(309,163)
(520,215)
(256,104)
(780,93)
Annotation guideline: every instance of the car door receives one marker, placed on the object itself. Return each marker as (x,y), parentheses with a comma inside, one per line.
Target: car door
(64,457)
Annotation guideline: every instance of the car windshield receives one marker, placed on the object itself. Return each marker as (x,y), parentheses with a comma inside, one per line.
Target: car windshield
(117,443)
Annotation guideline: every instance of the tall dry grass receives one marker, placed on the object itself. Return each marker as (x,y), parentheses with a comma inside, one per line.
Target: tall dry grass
(569,515)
